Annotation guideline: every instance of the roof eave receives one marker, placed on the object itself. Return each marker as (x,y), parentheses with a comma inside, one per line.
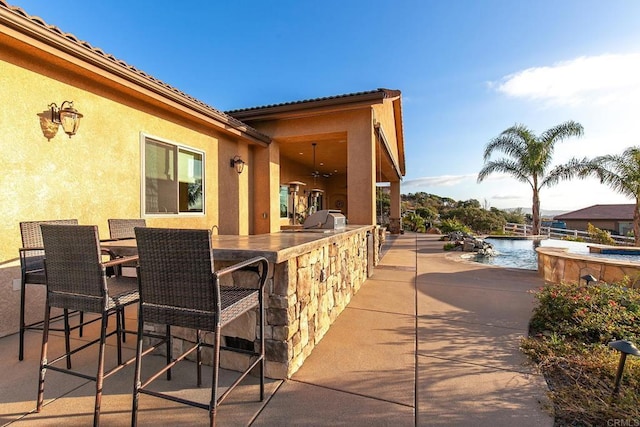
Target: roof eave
(66,44)
(313,106)
(399,134)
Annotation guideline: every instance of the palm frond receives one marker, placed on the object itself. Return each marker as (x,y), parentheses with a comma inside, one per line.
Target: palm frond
(529,156)
(619,172)
(562,131)
(523,132)
(574,168)
(546,142)
(510,145)
(505,166)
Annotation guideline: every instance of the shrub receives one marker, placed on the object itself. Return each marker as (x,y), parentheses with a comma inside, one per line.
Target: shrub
(573,239)
(450,225)
(594,314)
(599,236)
(569,332)
(501,232)
(475,218)
(414,222)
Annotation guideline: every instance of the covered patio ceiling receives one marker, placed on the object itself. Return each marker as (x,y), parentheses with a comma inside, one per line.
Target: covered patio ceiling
(331,155)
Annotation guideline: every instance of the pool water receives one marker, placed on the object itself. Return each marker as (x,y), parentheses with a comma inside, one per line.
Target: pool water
(522,254)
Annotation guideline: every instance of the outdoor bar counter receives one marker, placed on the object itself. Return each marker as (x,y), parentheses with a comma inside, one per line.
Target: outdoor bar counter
(279,247)
(313,276)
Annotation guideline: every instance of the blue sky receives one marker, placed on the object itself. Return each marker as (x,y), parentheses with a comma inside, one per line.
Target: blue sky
(467,71)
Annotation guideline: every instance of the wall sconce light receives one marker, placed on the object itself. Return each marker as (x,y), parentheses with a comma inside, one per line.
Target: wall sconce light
(67,116)
(238,164)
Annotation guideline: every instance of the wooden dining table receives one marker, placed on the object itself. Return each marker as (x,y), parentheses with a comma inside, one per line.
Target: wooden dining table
(120,247)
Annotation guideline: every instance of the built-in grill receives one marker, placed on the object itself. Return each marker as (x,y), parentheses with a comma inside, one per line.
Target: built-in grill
(327,219)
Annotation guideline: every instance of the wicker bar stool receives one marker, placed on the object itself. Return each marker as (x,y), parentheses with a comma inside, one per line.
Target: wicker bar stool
(123,228)
(120,229)
(76,279)
(179,287)
(32,273)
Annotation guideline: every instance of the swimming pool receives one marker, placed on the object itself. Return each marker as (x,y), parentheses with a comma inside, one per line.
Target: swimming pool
(519,253)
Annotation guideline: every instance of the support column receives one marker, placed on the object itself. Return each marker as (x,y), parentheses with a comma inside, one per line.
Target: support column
(266,190)
(361,176)
(395,220)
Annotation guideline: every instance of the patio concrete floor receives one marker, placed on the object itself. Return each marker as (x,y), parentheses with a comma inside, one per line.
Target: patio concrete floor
(428,340)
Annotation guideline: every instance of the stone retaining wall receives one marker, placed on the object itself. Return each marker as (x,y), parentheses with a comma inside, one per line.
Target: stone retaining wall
(557,265)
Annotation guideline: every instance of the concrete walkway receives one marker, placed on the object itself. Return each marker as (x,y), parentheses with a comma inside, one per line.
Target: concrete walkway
(428,340)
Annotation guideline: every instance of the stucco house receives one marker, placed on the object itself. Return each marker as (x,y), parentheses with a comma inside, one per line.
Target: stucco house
(146,149)
(618,219)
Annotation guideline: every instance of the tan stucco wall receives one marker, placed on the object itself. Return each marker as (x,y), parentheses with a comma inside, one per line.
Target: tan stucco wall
(266,200)
(361,179)
(383,114)
(95,175)
(395,200)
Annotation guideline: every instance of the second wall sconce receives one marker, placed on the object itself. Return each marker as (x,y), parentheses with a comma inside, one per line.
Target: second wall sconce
(67,116)
(238,164)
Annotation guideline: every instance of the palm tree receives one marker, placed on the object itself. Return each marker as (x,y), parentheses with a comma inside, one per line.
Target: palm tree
(621,173)
(529,159)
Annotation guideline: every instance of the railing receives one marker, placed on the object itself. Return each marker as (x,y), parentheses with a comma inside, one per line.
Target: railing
(560,233)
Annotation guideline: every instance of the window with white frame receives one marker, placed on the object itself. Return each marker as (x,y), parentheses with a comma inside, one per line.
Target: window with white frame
(173,178)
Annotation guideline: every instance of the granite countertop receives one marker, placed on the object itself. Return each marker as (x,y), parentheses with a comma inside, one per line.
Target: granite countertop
(275,247)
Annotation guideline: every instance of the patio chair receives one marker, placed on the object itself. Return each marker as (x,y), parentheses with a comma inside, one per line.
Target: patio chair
(123,228)
(76,279)
(32,273)
(120,229)
(179,287)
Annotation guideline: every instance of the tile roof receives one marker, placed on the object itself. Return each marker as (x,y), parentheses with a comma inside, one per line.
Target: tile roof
(383,93)
(622,212)
(83,45)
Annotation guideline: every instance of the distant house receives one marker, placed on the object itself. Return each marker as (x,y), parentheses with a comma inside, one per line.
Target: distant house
(618,219)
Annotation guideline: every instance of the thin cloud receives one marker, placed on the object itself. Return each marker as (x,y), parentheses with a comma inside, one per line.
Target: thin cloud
(602,80)
(437,181)
(507,196)
(498,176)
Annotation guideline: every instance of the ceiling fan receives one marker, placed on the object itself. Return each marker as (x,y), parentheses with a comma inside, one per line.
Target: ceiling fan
(316,173)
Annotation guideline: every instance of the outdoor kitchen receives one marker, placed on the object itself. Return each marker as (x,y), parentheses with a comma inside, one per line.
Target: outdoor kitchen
(314,273)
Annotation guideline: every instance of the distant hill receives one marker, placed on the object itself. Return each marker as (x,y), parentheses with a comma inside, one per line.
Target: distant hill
(423,199)
(547,213)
